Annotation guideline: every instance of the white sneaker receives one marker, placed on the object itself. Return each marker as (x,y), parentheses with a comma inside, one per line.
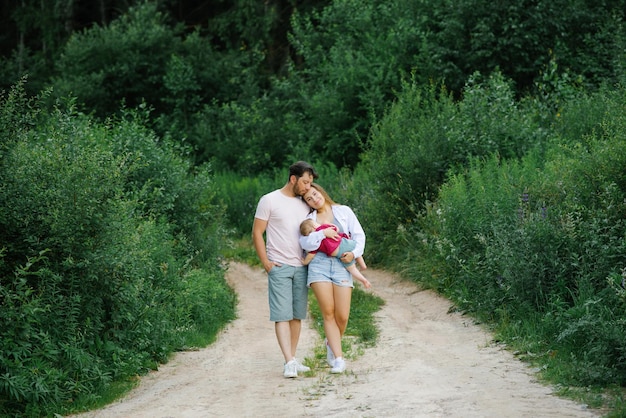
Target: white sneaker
(330,356)
(301,367)
(291,369)
(339,366)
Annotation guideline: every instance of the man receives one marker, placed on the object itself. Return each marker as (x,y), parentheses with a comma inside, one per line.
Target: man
(278,216)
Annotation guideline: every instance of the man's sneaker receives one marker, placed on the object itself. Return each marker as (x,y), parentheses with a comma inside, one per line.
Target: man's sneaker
(340,366)
(301,367)
(330,356)
(291,369)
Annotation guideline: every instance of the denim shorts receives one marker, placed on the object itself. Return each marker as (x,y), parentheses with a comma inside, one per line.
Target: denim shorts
(328,269)
(287,293)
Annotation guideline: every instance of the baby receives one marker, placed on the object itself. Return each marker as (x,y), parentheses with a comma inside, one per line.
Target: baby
(334,248)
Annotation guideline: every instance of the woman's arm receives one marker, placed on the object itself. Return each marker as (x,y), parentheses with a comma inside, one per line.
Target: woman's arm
(351,226)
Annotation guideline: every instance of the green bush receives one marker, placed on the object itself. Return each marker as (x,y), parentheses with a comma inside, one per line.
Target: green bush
(105,229)
(141,58)
(123,62)
(425,134)
(406,160)
(243,138)
(355,55)
(540,242)
(240,196)
(479,35)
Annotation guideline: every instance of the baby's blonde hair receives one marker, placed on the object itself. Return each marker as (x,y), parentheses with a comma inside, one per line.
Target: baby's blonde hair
(307,226)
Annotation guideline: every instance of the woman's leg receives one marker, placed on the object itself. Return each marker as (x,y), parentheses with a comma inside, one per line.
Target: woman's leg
(324,293)
(342,297)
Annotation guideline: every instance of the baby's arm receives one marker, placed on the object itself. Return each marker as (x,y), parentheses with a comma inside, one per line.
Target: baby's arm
(309,257)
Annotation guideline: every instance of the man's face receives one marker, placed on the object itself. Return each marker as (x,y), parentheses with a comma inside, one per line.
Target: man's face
(303,184)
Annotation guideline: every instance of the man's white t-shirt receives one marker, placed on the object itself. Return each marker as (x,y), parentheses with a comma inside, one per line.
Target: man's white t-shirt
(282,235)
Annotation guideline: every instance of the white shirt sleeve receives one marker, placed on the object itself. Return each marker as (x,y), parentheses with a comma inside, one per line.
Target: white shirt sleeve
(312,241)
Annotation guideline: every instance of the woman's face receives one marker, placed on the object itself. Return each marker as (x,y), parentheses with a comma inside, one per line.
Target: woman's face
(314,198)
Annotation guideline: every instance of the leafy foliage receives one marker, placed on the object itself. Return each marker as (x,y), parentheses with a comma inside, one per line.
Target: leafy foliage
(319,73)
(466,135)
(516,38)
(124,61)
(536,240)
(356,53)
(425,134)
(105,231)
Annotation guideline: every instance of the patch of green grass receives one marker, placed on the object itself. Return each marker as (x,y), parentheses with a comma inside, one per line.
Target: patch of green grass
(241,250)
(362,323)
(114,391)
(616,401)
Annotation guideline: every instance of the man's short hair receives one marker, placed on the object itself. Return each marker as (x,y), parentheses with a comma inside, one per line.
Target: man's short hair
(299,168)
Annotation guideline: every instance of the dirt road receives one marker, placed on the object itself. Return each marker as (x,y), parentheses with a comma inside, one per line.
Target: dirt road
(427,363)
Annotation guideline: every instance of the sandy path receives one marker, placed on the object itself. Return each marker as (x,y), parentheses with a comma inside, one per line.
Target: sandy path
(427,363)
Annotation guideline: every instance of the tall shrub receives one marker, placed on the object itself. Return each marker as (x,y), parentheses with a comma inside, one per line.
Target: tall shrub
(538,244)
(354,55)
(104,66)
(425,133)
(108,242)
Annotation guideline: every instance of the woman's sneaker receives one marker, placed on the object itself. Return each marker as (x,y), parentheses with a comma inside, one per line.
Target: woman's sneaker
(301,367)
(339,366)
(330,356)
(291,369)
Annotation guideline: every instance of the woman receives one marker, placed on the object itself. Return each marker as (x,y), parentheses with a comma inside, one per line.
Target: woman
(331,282)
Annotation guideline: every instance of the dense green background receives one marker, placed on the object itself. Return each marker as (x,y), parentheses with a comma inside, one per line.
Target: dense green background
(482,145)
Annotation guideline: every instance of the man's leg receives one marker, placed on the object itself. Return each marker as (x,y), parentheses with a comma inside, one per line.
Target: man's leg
(283,334)
(300,303)
(295,325)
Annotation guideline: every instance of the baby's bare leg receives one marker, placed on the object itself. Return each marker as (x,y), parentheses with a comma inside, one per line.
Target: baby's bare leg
(357,275)
(361,263)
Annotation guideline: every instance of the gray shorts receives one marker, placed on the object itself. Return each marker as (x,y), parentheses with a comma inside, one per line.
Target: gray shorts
(328,269)
(287,293)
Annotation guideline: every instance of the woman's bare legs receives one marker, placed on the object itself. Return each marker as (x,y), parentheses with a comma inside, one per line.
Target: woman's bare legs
(334,302)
